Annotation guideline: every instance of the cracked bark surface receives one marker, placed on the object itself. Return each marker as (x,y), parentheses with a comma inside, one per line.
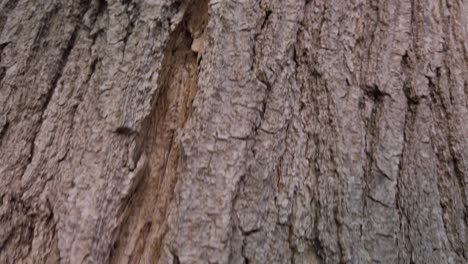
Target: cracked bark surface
(169,131)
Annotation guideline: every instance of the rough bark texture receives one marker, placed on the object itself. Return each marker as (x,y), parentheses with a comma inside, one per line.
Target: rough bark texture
(247,131)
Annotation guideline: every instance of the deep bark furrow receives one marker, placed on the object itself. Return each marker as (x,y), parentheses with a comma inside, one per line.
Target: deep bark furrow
(53,85)
(149,206)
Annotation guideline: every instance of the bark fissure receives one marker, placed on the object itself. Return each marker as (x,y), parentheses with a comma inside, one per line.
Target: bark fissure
(148,208)
(59,68)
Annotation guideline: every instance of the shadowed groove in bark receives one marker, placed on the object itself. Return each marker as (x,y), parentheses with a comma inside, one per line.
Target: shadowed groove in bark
(145,224)
(7,7)
(450,180)
(25,218)
(58,68)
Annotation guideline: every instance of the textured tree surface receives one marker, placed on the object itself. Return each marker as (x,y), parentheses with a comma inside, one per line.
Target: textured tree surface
(241,131)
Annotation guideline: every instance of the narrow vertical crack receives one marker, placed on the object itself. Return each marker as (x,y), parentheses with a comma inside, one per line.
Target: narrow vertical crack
(59,70)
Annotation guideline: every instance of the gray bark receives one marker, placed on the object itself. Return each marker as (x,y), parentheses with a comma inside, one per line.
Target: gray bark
(253,131)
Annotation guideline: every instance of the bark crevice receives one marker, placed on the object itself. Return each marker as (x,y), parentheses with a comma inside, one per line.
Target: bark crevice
(177,86)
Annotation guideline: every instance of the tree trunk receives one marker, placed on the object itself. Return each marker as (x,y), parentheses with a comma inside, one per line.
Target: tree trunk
(177,131)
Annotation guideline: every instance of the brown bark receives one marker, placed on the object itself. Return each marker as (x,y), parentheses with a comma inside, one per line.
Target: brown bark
(295,131)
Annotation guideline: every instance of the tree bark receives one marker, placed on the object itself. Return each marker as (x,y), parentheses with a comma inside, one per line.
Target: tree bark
(249,131)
